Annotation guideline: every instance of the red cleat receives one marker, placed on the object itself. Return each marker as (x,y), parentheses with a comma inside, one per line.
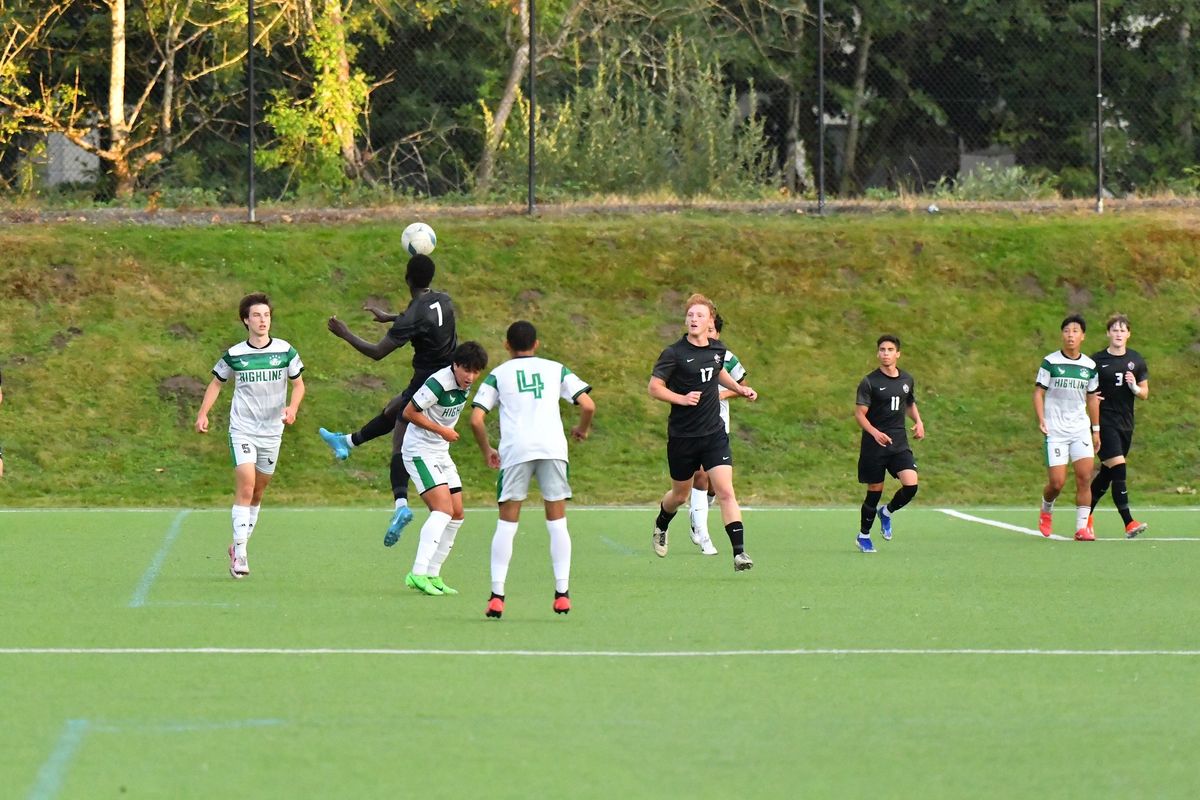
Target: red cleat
(495,606)
(562,602)
(1134,528)
(1085,535)
(1045,524)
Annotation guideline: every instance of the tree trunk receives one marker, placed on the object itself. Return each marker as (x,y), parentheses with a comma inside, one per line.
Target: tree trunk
(854,124)
(487,162)
(345,114)
(795,166)
(118,128)
(1187,109)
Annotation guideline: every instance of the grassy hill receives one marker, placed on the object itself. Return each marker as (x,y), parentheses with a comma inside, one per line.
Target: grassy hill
(107,334)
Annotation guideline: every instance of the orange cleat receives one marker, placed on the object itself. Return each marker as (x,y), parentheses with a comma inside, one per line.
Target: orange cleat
(495,606)
(562,602)
(1045,524)
(1085,535)
(1134,528)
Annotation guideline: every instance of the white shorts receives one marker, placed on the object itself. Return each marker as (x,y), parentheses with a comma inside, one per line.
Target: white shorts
(513,483)
(1062,450)
(261,451)
(432,469)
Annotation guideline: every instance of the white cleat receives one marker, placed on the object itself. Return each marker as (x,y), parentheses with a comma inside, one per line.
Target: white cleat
(659,538)
(742,562)
(238,566)
(706,546)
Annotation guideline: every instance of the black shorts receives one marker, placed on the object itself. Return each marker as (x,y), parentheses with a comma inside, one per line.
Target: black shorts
(1114,441)
(874,460)
(395,406)
(686,454)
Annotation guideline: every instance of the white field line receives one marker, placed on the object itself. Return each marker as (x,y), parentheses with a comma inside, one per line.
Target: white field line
(648,508)
(1031,532)
(383,651)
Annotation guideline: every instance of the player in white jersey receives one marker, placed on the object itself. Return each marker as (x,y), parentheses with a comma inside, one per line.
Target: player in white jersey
(432,413)
(528,389)
(1067,403)
(701,497)
(261,367)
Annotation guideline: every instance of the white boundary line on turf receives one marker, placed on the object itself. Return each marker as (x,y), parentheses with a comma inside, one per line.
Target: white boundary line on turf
(1031,532)
(151,574)
(647,508)
(386,651)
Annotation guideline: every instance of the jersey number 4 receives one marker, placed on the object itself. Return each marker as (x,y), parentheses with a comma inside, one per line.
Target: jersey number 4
(535,385)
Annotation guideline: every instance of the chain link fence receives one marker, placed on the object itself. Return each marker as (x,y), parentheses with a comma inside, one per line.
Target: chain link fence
(359,103)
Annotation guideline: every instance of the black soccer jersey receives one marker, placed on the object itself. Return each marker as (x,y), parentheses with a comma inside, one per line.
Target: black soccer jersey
(428,323)
(887,400)
(1116,408)
(686,368)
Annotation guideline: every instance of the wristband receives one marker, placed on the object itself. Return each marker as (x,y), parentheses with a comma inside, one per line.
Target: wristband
(1095,429)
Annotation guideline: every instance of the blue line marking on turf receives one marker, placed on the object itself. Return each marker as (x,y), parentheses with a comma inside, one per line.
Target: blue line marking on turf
(50,776)
(620,548)
(151,574)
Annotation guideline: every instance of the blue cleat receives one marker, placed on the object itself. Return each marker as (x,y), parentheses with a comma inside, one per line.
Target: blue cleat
(337,443)
(865,544)
(400,518)
(885,525)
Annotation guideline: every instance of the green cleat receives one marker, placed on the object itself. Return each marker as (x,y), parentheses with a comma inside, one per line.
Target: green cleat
(422,584)
(436,582)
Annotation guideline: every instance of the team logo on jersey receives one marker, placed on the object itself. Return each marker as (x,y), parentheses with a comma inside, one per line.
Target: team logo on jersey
(1086,373)
(1130,366)
(275,361)
(1061,370)
(905,388)
(716,357)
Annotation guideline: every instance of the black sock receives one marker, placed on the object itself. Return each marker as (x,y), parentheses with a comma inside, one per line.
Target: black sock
(901,498)
(1100,484)
(557,594)
(664,518)
(867,513)
(379,426)
(737,536)
(1120,492)
(399,477)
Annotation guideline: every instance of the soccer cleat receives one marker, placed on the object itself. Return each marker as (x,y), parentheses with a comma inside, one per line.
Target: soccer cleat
(400,517)
(742,562)
(865,544)
(660,541)
(436,582)
(1085,535)
(885,525)
(706,546)
(495,606)
(562,602)
(238,566)
(1134,528)
(1045,524)
(697,534)
(337,443)
(421,584)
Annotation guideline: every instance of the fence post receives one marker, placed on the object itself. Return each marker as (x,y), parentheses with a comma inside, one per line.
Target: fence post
(1099,120)
(532,102)
(820,106)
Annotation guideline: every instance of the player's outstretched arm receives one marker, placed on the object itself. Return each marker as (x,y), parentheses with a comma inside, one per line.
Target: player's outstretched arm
(210,397)
(380,315)
(587,410)
(373,351)
(293,408)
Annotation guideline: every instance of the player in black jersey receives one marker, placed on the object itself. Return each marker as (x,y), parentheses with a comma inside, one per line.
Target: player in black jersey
(428,323)
(1123,376)
(884,398)
(688,375)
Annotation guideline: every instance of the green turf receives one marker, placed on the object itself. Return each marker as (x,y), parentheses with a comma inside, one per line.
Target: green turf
(485,721)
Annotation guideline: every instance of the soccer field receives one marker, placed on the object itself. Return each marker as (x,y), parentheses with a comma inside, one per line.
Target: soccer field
(968,658)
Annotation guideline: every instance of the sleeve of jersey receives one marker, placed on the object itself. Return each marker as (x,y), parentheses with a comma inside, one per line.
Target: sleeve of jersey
(295,365)
(734,367)
(1094,383)
(863,396)
(405,327)
(222,370)
(664,368)
(572,386)
(485,395)
(1043,376)
(1142,373)
(912,395)
(427,395)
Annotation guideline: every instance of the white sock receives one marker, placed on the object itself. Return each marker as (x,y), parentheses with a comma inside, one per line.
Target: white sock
(1081,515)
(698,510)
(253,519)
(349,440)
(401,501)
(560,552)
(1047,506)
(444,545)
(431,533)
(883,510)
(241,529)
(502,549)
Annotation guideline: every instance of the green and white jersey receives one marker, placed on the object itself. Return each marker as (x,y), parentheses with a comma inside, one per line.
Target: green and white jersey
(737,372)
(527,389)
(260,388)
(440,401)
(1068,382)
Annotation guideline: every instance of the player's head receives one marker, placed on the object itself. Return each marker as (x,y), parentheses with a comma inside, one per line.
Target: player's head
(700,314)
(1117,328)
(419,274)
(888,337)
(1073,329)
(470,359)
(254,311)
(1077,319)
(718,324)
(887,349)
(521,337)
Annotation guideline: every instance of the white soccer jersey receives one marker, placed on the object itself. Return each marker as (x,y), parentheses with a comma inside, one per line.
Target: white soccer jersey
(527,389)
(737,372)
(440,401)
(1068,382)
(260,391)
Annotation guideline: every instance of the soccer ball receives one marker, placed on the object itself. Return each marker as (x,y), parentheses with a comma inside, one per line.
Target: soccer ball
(418,239)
